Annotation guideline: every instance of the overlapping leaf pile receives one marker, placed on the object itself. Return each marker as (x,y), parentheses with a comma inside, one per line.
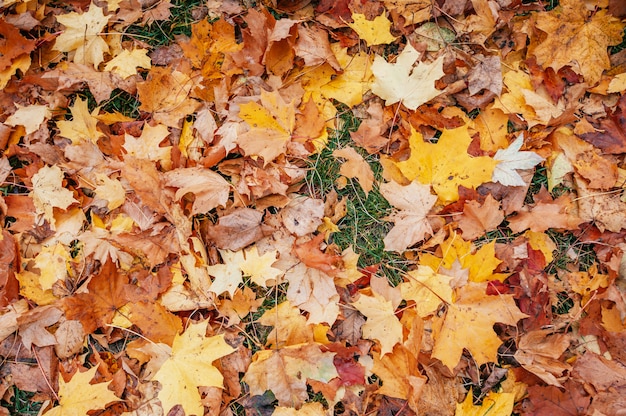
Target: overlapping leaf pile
(169,258)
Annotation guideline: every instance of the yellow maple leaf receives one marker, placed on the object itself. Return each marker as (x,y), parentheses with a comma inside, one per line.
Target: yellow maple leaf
(78,396)
(574,38)
(83,125)
(427,289)
(228,275)
(402,81)
(446,164)
(373,32)
(110,190)
(259,268)
(82,35)
(126,62)
(53,263)
(495,404)
(468,323)
(290,327)
(189,366)
(350,86)
(31,117)
(382,324)
(48,193)
(307,409)
(271,125)
(147,146)
(480,263)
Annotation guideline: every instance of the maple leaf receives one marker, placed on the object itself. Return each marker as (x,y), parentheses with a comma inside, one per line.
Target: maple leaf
(165,93)
(126,62)
(82,35)
(313,291)
(31,117)
(350,86)
(411,225)
(468,323)
(271,125)
(399,373)
(108,292)
(48,193)
(259,268)
(53,262)
(290,326)
(446,164)
(403,82)
(356,167)
(373,32)
(546,213)
(575,39)
(210,188)
(478,219)
(228,275)
(510,160)
(82,126)
(285,372)
(147,146)
(14,44)
(382,324)
(495,404)
(78,396)
(190,365)
(427,289)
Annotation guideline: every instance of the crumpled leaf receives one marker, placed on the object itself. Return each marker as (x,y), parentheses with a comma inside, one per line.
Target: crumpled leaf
(210,188)
(48,192)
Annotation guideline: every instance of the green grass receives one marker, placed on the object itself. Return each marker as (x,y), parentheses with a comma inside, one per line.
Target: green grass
(160,33)
(21,403)
(363,227)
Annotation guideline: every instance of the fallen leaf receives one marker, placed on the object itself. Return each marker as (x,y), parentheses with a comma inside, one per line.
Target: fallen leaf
(82,35)
(468,323)
(478,219)
(190,365)
(512,159)
(414,202)
(48,193)
(382,325)
(446,164)
(355,167)
(404,82)
(373,32)
(495,404)
(427,289)
(210,188)
(78,396)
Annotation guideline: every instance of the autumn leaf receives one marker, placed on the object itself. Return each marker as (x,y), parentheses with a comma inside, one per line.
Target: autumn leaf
(31,117)
(228,275)
(414,202)
(356,167)
(403,82)
(512,159)
(271,125)
(259,267)
(210,189)
(574,38)
(495,404)
(126,62)
(190,365)
(78,396)
(468,323)
(373,32)
(82,126)
(478,219)
(285,372)
(382,324)
(427,289)
(446,164)
(82,35)
(48,193)
(290,326)
(147,146)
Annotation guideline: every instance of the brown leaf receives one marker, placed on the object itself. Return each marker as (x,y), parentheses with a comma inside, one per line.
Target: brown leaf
(546,213)
(478,219)
(236,230)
